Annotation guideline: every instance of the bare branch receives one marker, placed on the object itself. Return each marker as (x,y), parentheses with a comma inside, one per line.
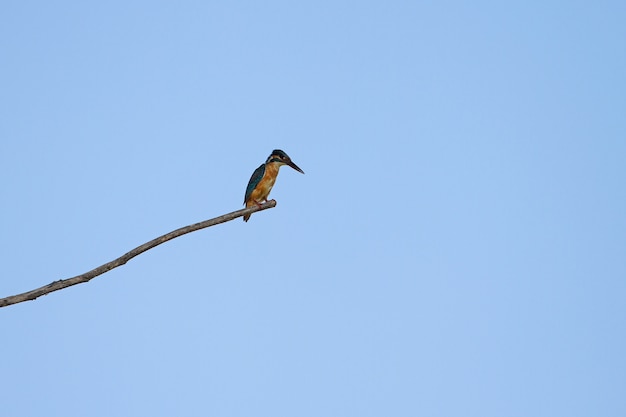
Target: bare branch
(87,276)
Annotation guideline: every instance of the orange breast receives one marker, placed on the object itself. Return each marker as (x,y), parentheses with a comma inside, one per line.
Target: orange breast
(262,190)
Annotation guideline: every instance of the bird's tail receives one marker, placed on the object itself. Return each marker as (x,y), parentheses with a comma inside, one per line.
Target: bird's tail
(246,217)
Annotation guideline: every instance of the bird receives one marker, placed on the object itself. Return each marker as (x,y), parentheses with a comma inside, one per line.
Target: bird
(263,179)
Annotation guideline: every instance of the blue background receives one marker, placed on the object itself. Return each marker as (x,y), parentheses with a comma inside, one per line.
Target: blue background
(456,247)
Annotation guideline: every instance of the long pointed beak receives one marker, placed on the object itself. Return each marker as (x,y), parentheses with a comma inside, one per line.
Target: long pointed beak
(294,166)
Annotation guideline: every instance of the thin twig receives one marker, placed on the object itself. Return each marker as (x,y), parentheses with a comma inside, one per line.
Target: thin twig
(87,276)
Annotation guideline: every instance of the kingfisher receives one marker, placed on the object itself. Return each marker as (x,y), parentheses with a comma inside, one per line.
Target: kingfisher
(264,177)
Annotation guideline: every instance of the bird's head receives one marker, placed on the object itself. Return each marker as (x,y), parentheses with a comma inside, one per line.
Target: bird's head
(282,158)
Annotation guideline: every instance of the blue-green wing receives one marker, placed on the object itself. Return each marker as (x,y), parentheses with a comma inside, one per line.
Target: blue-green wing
(254,181)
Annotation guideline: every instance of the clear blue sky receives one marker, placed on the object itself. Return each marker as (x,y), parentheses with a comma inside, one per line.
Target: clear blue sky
(457,246)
